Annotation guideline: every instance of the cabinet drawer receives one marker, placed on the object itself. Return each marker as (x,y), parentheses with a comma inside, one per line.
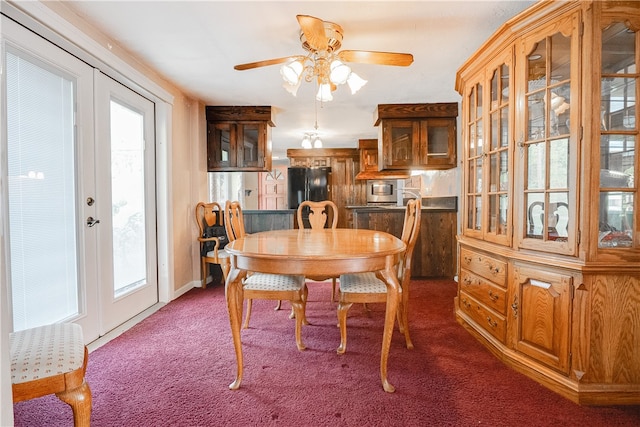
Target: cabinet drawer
(487,319)
(484,291)
(485,266)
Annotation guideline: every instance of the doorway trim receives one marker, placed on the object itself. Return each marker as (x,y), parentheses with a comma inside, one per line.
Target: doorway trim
(44,20)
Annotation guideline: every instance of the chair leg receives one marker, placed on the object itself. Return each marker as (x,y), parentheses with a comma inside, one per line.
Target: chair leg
(245,325)
(80,401)
(298,306)
(203,273)
(333,289)
(342,322)
(279,306)
(292,315)
(403,318)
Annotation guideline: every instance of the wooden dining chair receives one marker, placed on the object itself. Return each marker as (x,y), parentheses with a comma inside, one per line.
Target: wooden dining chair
(266,285)
(52,359)
(318,215)
(212,236)
(370,288)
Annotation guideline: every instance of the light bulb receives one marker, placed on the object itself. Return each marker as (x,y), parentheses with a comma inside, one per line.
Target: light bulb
(317,142)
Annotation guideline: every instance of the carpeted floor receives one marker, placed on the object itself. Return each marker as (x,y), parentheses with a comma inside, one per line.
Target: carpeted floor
(173,369)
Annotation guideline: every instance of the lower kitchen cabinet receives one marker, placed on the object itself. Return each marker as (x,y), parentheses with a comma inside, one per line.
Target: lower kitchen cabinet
(435,251)
(265,220)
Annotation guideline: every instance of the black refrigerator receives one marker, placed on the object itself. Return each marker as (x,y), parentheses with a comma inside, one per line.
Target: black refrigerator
(307,184)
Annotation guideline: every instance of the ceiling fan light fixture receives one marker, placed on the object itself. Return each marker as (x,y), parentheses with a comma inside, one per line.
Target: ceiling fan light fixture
(355,82)
(291,72)
(292,89)
(324,93)
(339,72)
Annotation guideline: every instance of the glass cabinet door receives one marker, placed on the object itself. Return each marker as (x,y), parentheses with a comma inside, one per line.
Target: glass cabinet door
(498,227)
(400,136)
(548,147)
(249,143)
(487,154)
(473,156)
(439,148)
(221,136)
(617,224)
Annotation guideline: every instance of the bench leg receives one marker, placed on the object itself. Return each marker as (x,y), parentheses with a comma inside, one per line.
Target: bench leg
(80,401)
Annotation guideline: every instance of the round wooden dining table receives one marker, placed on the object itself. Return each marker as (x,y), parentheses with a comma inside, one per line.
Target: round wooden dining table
(324,252)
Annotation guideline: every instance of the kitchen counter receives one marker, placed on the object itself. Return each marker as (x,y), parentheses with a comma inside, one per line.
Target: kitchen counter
(448,203)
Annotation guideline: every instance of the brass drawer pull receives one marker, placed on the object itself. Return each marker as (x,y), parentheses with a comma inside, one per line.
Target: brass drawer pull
(493,297)
(491,323)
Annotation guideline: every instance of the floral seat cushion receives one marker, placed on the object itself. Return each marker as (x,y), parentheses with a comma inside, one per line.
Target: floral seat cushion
(46,351)
(366,283)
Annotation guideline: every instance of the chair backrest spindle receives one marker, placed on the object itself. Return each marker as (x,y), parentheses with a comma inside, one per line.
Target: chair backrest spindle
(322,214)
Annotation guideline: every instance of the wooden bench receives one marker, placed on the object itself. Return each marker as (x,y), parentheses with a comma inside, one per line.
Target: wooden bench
(52,359)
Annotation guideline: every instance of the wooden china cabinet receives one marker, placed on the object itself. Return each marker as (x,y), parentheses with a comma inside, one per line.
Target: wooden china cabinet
(549,265)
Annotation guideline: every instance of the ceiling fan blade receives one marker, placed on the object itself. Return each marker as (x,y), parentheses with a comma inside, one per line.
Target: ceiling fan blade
(380,58)
(266,62)
(313,30)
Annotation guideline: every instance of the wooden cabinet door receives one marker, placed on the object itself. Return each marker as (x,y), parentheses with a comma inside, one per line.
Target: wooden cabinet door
(487,207)
(250,144)
(539,326)
(369,157)
(437,143)
(220,145)
(548,130)
(401,139)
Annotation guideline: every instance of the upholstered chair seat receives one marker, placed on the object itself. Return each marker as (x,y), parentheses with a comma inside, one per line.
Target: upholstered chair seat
(52,359)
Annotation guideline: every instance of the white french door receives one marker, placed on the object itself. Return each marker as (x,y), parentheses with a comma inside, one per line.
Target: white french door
(125,199)
(81,244)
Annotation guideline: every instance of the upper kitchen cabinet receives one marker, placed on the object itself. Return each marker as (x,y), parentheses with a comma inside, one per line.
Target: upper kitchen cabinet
(416,136)
(238,138)
(549,247)
(369,163)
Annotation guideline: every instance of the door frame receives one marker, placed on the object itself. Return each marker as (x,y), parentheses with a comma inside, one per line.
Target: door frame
(43,20)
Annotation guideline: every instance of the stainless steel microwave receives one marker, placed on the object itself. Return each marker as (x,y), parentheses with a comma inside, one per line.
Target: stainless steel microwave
(382,191)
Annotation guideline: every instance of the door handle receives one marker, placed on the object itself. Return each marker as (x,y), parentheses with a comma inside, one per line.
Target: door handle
(91,222)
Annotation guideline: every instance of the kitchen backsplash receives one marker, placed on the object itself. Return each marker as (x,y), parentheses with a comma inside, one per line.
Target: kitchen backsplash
(436,183)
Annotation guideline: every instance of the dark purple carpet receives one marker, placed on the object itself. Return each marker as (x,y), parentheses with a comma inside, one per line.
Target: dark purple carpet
(173,369)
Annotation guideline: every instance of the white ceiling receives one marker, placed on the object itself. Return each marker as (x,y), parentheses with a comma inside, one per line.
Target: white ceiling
(195,44)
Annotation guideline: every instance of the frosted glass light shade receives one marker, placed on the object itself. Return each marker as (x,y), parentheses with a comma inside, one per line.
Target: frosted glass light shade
(291,72)
(355,82)
(339,72)
(324,93)
(292,89)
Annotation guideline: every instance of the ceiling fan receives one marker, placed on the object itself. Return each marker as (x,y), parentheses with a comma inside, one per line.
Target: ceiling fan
(324,63)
